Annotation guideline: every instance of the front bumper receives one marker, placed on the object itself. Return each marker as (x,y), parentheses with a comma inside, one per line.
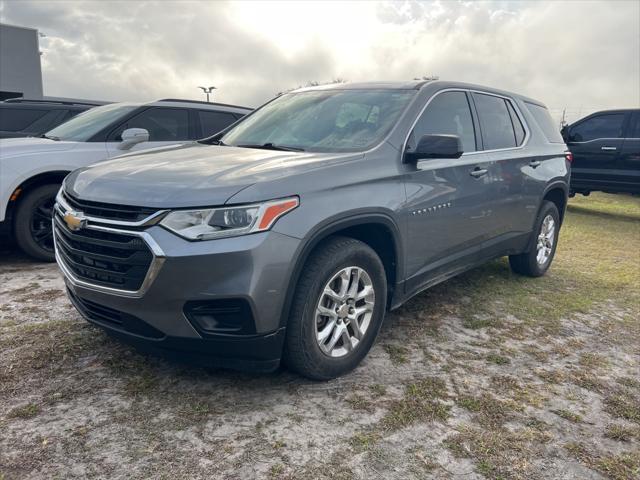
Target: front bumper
(254,268)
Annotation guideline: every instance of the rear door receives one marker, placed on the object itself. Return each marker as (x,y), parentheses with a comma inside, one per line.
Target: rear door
(166,126)
(596,142)
(629,159)
(450,210)
(503,135)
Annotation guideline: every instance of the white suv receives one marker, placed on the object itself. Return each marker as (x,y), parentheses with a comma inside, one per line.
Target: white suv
(32,169)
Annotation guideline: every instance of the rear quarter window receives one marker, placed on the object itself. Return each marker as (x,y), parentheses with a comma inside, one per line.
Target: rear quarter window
(545,122)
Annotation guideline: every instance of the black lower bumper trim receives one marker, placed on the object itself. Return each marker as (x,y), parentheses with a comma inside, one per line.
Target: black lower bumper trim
(241,352)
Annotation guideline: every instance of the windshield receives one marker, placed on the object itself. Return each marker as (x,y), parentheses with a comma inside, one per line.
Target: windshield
(322,121)
(84,126)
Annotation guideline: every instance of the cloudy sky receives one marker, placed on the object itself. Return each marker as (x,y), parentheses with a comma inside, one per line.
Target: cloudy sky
(577,55)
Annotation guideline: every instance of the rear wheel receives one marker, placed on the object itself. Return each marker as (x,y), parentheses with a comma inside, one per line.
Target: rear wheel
(537,261)
(32,223)
(337,309)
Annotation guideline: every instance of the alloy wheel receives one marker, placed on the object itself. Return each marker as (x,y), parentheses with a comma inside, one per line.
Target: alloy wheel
(344,311)
(546,238)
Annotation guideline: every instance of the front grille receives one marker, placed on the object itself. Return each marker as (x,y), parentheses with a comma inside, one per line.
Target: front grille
(107,259)
(108,211)
(110,317)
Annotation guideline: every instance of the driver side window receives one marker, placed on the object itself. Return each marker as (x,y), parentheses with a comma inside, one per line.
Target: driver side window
(163,125)
(448,113)
(600,126)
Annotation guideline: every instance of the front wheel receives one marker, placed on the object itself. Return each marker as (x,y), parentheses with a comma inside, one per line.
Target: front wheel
(537,260)
(32,223)
(337,310)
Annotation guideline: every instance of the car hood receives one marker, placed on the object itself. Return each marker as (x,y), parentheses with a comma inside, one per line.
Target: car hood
(191,175)
(14,147)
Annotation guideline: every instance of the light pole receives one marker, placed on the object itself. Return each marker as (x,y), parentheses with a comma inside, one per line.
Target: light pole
(207,90)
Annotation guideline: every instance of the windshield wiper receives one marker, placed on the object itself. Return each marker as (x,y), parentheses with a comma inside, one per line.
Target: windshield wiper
(44,135)
(272,146)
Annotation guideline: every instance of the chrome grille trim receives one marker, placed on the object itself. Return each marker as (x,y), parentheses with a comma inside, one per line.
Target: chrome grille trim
(158,254)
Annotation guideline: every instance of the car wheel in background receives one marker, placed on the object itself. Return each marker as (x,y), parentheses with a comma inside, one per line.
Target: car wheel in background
(337,310)
(537,261)
(32,222)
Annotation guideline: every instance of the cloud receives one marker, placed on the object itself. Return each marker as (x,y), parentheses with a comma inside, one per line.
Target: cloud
(579,55)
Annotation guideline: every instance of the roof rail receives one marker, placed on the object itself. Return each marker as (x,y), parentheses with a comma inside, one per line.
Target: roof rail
(203,103)
(55,102)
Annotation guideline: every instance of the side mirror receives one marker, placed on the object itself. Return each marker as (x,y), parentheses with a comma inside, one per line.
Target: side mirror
(133,136)
(435,146)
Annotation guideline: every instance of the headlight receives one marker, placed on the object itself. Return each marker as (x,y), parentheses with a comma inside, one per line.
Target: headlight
(210,223)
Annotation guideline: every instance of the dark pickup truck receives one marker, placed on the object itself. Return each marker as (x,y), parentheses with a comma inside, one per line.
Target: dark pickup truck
(606,152)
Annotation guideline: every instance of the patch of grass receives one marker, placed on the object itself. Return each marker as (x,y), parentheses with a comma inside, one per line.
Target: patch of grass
(587,380)
(499,453)
(276,470)
(364,441)
(593,360)
(622,466)
(420,403)
(476,322)
(358,402)
(498,359)
(489,410)
(29,410)
(517,391)
(621,433)
(555,377)
(623,405)
(629,382)
(378,390)
(397,353)
(568,415)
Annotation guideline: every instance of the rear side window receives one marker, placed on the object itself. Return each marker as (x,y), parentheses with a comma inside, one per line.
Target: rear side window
(449,114)
(17,119)
(517,124)
(163,124)
(495,122)
(607,125)
(543,118)
(214,122)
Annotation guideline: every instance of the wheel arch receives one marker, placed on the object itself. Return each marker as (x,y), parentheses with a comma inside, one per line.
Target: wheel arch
(557,193)
(18,191)
(378,230)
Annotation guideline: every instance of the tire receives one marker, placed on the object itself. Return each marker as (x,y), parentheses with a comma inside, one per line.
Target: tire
(32,222)
(529,263)
(303,352)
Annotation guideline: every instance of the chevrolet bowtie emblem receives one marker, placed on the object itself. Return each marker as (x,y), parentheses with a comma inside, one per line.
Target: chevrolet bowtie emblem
(74,220)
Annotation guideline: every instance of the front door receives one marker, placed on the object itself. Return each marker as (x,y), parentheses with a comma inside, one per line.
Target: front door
(595,143)
(450,204)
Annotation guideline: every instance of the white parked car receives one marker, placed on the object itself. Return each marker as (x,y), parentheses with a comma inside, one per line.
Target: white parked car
(32,169)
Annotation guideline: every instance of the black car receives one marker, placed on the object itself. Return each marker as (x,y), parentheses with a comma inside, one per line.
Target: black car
(606,152)
(21,117)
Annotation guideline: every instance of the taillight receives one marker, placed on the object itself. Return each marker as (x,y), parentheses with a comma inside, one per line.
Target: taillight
(568,156)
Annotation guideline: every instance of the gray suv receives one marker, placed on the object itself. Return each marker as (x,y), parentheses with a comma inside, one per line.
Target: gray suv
(289,235)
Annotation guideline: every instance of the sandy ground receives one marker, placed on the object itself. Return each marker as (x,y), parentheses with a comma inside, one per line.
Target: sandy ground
(486,376)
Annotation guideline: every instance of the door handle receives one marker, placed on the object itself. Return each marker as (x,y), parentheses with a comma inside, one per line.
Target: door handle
(535,163)
(478,172)
(610,149)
